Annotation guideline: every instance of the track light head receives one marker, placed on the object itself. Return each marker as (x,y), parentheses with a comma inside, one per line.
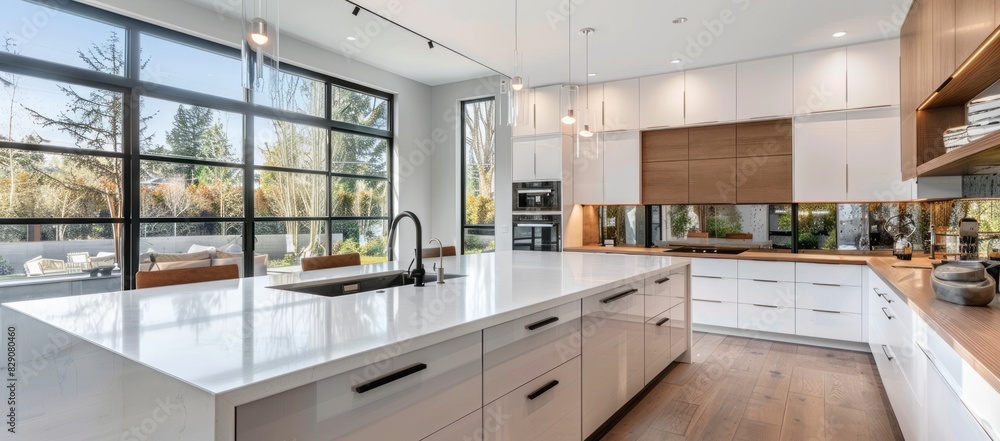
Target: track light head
(430,44)
(357,10)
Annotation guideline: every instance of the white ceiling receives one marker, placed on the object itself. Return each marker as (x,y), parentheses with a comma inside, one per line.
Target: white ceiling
(636,37)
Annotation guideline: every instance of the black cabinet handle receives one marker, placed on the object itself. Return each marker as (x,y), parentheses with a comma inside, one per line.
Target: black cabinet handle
(826,284)
(765,306)
(885,350)
(661,281)
(886,312)
(661,322)
(543,389)
(883,295)
(382,381)
(619,296)
(765,281)
(826,311)
(541,323)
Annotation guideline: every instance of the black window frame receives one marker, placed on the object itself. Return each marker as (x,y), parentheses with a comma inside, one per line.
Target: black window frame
(464,172)
(133,89)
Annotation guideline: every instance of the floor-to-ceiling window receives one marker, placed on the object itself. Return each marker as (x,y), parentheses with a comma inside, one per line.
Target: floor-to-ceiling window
(478,172)
(120,140)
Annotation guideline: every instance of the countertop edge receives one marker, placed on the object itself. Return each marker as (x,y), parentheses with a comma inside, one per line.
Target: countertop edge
(842,259)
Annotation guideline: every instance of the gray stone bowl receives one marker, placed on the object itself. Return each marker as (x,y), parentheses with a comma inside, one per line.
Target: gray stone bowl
(964,293)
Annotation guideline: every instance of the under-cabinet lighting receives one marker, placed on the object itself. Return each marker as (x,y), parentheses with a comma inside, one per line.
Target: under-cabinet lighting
(978,51)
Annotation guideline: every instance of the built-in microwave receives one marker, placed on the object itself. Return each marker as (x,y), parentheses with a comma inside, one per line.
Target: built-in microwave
(537,196)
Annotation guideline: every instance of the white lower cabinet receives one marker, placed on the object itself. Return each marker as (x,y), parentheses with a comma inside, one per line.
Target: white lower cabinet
(680,331)
(613,346)
(545,408)
(385,400)
(831,325)
(714,313)
(468,428)
(766,318)
(658,345)
(714,288)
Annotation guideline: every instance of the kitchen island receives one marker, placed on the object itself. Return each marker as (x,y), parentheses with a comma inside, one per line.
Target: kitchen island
(243,360)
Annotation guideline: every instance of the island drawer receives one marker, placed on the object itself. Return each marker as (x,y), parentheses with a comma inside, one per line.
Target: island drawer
(756,292)
(827,297)
(658,345)
(714,267)
(545,408)
(830,274)
(522,349)
(469,427)
(766,318)
(771,271)
(680,331)
(388,399)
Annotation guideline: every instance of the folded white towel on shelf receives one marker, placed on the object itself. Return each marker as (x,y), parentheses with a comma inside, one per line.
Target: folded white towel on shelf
(984,103)
(979,130)
(985,116)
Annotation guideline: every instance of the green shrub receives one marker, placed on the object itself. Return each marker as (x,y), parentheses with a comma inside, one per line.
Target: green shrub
(6,268)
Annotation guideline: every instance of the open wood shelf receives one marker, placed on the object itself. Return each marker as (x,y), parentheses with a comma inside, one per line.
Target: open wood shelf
(966,159)
(979,72)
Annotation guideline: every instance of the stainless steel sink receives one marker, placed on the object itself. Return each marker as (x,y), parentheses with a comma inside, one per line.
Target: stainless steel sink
(359,284)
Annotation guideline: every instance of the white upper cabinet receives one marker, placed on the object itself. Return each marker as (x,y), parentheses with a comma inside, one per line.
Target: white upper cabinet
(873,74)
(710,95)
(622,168)
(661,101)
(820,158)
(588,171)
(548,110)
(873,159)
(821,81)
(548,157)
(594,98)
(524,119)
(764,88)
(523,164)
(621,105)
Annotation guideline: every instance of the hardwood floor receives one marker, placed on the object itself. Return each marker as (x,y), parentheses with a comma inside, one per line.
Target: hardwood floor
(741,389)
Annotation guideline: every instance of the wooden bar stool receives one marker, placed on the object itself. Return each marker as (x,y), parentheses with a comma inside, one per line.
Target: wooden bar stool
(334,261)
(430,253)
(152,279)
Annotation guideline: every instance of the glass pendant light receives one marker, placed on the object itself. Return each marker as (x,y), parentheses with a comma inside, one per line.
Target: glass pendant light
(585,124)
(516,83)
(569,117)
(260,42)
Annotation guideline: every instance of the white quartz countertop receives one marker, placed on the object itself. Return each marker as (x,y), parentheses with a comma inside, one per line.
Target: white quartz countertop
(244,341)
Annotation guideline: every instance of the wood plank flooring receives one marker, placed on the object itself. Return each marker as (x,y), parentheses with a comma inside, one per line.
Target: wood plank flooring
(741,389)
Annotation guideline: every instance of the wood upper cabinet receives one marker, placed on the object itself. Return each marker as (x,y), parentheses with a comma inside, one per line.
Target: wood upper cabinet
(661,100)
(873,74)
(712,181)
(764,88)
(764,180)
(820,158)
(712,142)
(764,138)
(621,105)
(665,145)
(665,183)
(943,45)
(974,21)
(548,110)
(710,95)
(820,81)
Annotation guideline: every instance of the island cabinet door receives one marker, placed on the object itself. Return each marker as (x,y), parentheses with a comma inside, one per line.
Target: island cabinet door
(680,331)
(658,345)
(545,408)
(613,370)
(406,397)
(469,427)
(520,350)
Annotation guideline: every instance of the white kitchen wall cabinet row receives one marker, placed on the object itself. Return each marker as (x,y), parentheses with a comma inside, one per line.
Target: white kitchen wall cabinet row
(794,298)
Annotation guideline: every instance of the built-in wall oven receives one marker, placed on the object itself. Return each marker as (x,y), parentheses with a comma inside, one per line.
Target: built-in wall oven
(537,232)
(537,196)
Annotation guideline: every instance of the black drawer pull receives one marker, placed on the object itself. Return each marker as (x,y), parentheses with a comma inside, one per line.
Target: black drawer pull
(826,311)
(619,296)
(382,381)
(882,295)
(661,281)
(707,277)
(765,306)
(661,322)
(543,389)
(827,284)
(765,281)
(541,323)
(706,301)
(885,350)
(886,312)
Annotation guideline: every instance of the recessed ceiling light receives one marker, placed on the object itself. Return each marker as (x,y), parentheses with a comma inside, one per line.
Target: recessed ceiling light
(680,20)
(351,38)
(675,61)
(839,34)
(591,75)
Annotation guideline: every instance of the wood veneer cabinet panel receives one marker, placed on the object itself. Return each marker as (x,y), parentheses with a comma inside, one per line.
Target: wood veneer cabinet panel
(764,180)
(931,125)
(665,183)
(908,64)
(712,181)
(764,138)
(908,145)
(665,145)
(943,51)
(712,142)
(974,21)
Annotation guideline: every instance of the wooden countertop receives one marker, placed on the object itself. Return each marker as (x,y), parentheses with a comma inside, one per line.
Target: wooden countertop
(850,259)
(970,330)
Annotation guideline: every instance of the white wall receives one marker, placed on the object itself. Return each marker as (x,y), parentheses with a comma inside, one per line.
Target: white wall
(446,173)
(412,144)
